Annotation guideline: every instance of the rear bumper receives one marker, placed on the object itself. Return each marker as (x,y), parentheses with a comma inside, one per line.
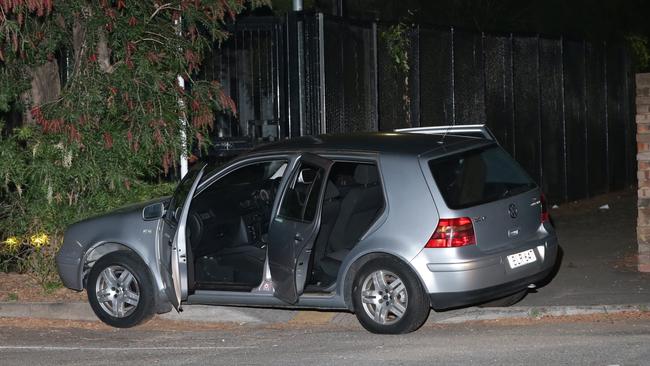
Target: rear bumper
(450,300)
(455,277)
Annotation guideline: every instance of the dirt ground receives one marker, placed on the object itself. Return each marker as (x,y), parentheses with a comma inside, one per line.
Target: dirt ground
(24,288)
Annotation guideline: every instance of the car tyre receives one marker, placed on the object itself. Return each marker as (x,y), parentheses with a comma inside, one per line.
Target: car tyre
(120,290)
(388,297)
(505,301)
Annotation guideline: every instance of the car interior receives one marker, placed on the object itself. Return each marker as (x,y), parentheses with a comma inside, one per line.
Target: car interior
(227,227)
(353,201)
(228,224)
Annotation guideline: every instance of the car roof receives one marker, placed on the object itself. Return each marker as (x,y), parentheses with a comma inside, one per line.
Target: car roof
(377,142)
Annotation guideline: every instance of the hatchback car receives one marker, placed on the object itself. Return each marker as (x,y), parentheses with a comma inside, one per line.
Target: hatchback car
(386,225)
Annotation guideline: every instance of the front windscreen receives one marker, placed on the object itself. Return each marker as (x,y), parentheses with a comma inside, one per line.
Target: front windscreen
(479,176)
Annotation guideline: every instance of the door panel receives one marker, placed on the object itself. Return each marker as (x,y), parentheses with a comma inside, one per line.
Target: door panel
(294,229)
(173,239)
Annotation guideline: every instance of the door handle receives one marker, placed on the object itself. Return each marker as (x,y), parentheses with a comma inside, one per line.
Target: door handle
(297,237)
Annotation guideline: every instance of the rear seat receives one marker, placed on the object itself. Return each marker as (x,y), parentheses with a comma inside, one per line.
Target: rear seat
(358,210)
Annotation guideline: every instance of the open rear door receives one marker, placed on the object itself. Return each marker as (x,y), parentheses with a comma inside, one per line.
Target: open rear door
(295,225)
(173,259)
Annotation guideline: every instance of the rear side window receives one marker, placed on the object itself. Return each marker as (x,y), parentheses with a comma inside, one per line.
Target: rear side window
(479,176)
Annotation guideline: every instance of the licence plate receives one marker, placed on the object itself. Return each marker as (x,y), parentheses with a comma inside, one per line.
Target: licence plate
(522,258)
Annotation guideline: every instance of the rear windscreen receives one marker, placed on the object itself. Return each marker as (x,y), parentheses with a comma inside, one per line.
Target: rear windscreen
(479,176)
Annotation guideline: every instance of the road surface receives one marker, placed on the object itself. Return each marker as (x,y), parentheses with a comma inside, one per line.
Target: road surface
(588,340)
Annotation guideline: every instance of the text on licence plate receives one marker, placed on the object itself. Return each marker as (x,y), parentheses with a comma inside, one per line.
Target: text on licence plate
(519,259)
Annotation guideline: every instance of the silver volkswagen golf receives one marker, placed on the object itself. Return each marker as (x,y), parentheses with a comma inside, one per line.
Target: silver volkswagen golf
(386,225)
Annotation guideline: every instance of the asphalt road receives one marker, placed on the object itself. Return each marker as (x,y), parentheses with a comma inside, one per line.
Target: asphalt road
(608,340)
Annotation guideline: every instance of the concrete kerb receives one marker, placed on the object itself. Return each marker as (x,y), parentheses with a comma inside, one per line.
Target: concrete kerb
(252,316)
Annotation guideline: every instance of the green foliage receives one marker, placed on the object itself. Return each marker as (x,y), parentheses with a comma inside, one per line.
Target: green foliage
(398,43)
(640,52)
(114,128)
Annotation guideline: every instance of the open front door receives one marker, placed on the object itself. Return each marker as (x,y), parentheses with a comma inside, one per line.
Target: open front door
(173,258)
(294,228)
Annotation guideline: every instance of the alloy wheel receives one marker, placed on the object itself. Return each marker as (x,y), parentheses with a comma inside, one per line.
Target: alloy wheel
(384,297)
(117,291)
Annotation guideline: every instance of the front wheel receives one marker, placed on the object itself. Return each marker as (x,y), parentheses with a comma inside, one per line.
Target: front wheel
(388,297)
(120,290)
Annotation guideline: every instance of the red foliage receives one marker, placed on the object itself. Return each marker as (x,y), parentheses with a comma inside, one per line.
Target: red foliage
(153,57)
(108,140)
(193,60)
(40,7)
(226,102)
(167,161)
(56,125)
(129,102)
(195,105)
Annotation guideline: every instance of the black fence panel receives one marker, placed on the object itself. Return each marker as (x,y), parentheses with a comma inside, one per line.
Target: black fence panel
(436,88)
(469,82)
(312,123)
(616,125)
(574,109)
(527,106)
(350,75)
(563,108)
(552,119)
(597,147)
(499,105)
(334,73)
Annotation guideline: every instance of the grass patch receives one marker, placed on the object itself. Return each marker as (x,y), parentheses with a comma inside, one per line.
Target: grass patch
(534,313)
(51,286)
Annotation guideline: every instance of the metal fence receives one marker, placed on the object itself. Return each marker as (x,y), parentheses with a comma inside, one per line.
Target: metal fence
(563,108)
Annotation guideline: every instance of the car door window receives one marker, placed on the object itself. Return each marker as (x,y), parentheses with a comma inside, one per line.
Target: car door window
(300,202)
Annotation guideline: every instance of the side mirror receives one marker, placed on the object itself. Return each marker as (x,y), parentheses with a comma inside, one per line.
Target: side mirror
(153,211)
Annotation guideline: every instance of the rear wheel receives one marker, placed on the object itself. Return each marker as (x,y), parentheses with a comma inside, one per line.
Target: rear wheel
(388,297)
(120,290)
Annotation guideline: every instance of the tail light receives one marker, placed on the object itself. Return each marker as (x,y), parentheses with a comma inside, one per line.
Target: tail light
(451,233)
(545,216)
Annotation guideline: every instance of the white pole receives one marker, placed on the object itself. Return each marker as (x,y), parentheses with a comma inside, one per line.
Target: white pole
(297,5)
(183,120)
(182,117)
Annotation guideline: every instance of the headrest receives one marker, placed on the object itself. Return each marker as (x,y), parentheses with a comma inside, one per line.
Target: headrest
(366,174)
(331,191)
(344,180)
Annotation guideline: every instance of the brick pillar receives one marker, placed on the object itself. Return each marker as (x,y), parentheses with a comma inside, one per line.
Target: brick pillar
(643,172)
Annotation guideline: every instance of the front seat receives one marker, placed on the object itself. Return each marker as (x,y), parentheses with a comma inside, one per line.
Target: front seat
(359,208)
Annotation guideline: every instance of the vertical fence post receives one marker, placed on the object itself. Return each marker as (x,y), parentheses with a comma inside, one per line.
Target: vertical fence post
(375,81)
(453,79)
(321,73)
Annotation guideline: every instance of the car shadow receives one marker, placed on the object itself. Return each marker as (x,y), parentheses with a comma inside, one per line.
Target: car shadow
(554,270)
